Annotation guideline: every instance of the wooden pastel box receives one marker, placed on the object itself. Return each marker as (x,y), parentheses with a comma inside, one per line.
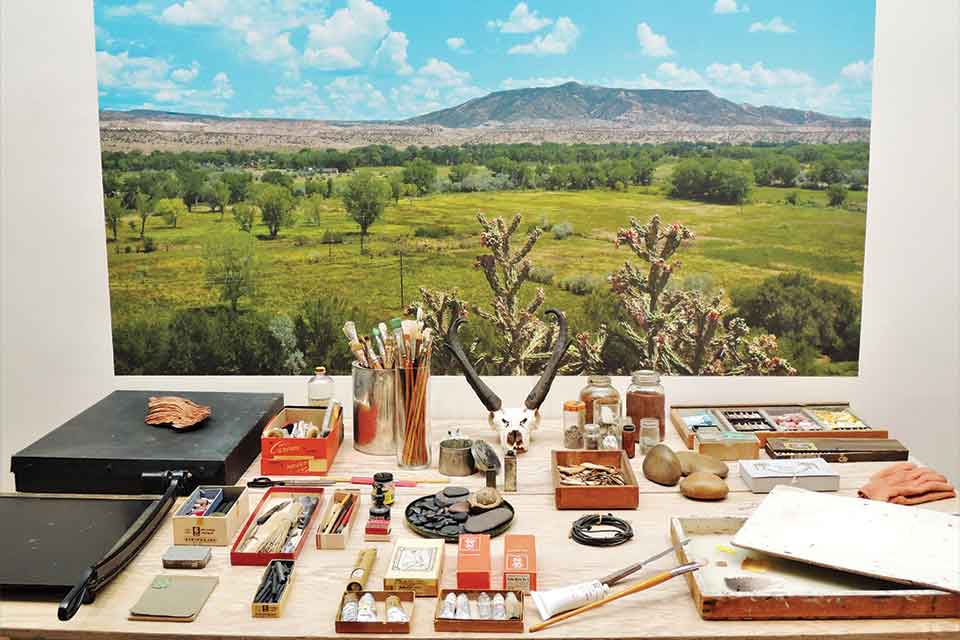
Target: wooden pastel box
(273,609)
(217,528)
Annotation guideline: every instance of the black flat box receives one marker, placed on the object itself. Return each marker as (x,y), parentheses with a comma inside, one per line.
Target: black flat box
(106,448)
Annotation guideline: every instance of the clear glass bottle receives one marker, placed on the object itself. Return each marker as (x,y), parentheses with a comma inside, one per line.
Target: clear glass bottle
(574,418)
(645,399)
(600,390)
(649,434)
(591,436)
(320,388)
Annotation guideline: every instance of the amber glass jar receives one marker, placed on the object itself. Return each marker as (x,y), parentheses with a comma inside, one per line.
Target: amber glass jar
(599,388)
(645,399)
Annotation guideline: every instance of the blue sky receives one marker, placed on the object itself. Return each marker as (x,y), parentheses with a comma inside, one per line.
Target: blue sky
(387,59)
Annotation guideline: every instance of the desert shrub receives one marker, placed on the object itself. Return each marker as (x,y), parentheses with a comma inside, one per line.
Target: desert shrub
(300,241)
(836,195)
(127,249)
(713,180)
(793,198)
(331,237)
(562,231)
(542,275)
(580,285)
(149,244)
(442,231)
(543,224)
(314,258)
(318,330)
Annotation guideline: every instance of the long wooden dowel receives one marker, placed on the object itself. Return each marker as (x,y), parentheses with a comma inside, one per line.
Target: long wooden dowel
(646,584)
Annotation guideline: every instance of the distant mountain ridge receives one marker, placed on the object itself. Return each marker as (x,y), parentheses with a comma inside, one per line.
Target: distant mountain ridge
(574,103)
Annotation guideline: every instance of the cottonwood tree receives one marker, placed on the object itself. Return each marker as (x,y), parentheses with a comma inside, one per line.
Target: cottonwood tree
(113,211)
(420,173)
(144,208)
(216,193)
(312,208)
(231,267)
(365,198)
(170,209)
(245,214)
(276,207)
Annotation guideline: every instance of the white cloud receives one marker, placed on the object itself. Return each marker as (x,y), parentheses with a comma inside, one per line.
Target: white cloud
(186,74)
(129,72)
(297,101)
(774,25)
(558,42)
(757,76)
(653,44)
(435,85)
(729,6)
(392,54)
(348,38)
(679,77)
(268,47)
(521,20)
(125,10)
(455,44)
(348,94)
(194,12)
(859,72)
(511,83)
(222,87)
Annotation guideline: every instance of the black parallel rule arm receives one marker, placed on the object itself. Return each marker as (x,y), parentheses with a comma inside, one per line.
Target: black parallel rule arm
(126,548)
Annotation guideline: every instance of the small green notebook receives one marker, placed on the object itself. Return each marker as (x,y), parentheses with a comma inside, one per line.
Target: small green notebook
(174,598)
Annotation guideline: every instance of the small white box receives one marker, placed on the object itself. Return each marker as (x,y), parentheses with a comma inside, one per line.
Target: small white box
(761,476)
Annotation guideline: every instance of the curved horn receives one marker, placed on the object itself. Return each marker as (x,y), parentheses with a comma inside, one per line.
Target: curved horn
(539,392)
(489,399)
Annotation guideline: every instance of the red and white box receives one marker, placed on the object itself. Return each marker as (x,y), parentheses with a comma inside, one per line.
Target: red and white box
(520,563)
(473,561)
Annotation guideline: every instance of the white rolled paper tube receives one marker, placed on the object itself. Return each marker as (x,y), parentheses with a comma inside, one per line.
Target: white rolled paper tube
(550,603)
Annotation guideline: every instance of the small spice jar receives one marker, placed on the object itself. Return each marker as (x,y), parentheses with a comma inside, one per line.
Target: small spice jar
(599,390)
(629,432)
(320,388)
(384,486)
(649,434)
(574,417)
(591,436)
(645,399)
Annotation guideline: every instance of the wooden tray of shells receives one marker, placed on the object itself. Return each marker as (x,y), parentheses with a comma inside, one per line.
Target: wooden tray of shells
(818,420)
(587,479)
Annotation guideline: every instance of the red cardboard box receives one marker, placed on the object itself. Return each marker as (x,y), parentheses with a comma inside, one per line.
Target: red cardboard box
(301,456)
(520,563)
(272,496)
(473,561)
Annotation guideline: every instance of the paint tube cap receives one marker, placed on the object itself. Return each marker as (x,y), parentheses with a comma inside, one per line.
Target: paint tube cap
(395,323)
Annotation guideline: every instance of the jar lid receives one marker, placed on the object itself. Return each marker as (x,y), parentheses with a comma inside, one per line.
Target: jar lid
(383,477)
(598,379)
(649,423)
(645,376)
(320,370)
(590,426)
(574,405)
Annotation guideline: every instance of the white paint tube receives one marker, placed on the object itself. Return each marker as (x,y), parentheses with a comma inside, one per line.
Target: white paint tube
(550,603)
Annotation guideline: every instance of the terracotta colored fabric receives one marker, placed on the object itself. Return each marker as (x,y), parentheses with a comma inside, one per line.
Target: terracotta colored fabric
(906,483)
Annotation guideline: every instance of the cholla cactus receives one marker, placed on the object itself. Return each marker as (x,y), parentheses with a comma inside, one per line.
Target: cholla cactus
(439,310)
(683,331)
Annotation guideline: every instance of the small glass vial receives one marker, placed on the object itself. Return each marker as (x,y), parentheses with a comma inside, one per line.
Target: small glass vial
(320,388)
(629,434)
(591,436)
(510,470)
(645,399)
(574,417)
(599,389)
(649,434)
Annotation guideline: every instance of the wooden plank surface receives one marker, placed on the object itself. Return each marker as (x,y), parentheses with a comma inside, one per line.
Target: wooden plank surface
(911,546)
(664,612)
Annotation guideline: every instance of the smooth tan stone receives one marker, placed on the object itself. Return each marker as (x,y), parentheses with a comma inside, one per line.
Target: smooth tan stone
(690,462)
(701,485)
(661,465)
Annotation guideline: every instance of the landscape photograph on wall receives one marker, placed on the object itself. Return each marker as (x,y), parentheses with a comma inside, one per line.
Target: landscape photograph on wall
(686,181)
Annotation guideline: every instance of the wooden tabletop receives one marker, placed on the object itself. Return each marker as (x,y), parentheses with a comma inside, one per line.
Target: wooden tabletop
(664,612)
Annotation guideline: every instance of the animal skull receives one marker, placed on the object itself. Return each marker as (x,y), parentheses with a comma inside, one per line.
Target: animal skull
(514,424)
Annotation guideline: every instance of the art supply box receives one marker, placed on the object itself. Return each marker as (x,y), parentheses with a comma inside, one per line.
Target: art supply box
(625,496)
(520,562)
(416,564)
(837,449)
(761,476)
(407,601)
(301,456)
(238,557)
(473,561)
(728,445)
(457,625)
(334,540)
(273,609)
(217,528)
(107,447)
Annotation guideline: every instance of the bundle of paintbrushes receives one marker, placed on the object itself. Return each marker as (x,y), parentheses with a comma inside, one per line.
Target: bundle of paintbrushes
(406,348)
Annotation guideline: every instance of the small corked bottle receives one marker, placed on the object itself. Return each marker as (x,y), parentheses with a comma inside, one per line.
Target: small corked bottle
(629,438)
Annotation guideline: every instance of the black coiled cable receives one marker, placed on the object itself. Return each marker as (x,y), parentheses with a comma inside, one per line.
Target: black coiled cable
(596,530)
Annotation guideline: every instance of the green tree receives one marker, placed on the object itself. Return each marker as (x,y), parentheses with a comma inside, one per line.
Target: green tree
(312,208)
(244,213)
(144,208)
(276,207)
(314,185)
(238,182)
(113,211)
(836,195)
(231,267)
(330,190)
(460,172)
(170,209)
(396,187)
(217,195)
(191,185)
(828,171)
(365,198)
(420,173)
(713,180)
(278,178)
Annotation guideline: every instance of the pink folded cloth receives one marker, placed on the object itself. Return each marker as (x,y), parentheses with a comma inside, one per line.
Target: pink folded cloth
(906,483)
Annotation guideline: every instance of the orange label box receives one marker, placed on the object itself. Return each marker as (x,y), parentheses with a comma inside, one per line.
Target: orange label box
(473,561)
(520,563)
(301,456)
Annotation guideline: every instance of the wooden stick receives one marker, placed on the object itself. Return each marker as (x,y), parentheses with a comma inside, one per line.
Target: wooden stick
(646,584)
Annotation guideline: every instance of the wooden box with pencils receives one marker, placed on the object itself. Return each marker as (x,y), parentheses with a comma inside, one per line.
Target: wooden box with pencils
(336,523)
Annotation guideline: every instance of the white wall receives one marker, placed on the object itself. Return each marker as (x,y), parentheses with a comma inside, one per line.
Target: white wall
(909,344)
(56,350)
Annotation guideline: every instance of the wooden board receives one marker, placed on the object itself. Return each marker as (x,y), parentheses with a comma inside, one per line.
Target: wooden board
(888,541)
(742,584)
(666,612)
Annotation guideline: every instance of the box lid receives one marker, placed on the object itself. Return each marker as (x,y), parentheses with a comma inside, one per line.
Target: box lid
(519,553)
(799,468)
(473,553)
(105,448)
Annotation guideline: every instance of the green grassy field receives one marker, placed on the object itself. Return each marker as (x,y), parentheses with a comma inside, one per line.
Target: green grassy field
(734,246)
